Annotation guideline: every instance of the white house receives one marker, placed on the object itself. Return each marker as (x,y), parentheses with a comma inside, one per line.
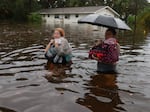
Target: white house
(73,14)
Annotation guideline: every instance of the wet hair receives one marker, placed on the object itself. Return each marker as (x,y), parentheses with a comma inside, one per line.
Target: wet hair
(61,31)
(112,30)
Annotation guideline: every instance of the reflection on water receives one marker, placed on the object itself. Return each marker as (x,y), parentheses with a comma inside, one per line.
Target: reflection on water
(28,83)
(102,94)
(57,72)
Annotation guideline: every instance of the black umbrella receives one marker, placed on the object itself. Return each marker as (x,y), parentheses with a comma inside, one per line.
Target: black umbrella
(106,21)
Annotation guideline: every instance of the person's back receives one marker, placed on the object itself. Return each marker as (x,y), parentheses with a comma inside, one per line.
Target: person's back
(111,51)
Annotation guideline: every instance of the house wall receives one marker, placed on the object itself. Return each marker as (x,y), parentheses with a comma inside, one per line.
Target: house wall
(51,20)
(72,18)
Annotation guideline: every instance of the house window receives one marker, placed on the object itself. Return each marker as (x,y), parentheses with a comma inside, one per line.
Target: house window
(77,15)
(56,16)
(67,16)
(48,15)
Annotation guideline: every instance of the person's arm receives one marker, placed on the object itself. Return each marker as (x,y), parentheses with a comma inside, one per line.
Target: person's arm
(49,45)
(95,58)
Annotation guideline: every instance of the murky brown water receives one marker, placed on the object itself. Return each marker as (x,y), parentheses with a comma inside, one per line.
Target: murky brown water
(26,85)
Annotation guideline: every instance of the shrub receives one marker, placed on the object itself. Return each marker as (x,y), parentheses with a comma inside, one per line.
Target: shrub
(35,18)
(131,20)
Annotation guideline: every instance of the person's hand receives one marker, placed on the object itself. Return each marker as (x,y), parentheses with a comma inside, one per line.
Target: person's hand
(95,57)
(51,42)
(56,45)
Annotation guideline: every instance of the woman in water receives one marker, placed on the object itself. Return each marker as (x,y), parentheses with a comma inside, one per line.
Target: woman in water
(58,51)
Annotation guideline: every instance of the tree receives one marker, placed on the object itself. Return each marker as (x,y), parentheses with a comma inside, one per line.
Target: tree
(127,7)
(144,19)
(45,3)
(6,7)
(70,3)
(17,9)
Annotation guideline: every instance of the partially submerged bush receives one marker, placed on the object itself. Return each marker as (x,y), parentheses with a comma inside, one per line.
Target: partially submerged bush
(35,18)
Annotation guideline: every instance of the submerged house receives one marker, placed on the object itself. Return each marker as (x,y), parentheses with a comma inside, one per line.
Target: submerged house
(73,14)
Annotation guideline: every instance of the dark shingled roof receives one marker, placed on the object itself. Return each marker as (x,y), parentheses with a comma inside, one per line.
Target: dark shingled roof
(71,10)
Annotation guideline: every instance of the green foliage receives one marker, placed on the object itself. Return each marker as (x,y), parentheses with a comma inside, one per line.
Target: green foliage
(35,18)
(6,9)
(45,3)
(144,19)
(70,3)
(23,8)
(129,7)
(131,20)
(18,10)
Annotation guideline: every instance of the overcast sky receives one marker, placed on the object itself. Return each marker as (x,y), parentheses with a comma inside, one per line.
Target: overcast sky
(148,0)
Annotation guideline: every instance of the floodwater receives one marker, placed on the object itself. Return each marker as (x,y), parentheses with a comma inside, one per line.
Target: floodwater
(26,84)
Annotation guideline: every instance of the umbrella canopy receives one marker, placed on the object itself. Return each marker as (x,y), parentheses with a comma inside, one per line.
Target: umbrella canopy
(106,21)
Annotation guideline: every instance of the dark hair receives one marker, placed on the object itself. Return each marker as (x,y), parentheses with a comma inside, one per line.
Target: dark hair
(112,30)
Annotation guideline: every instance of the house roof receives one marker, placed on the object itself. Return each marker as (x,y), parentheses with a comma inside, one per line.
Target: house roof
(76,10)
